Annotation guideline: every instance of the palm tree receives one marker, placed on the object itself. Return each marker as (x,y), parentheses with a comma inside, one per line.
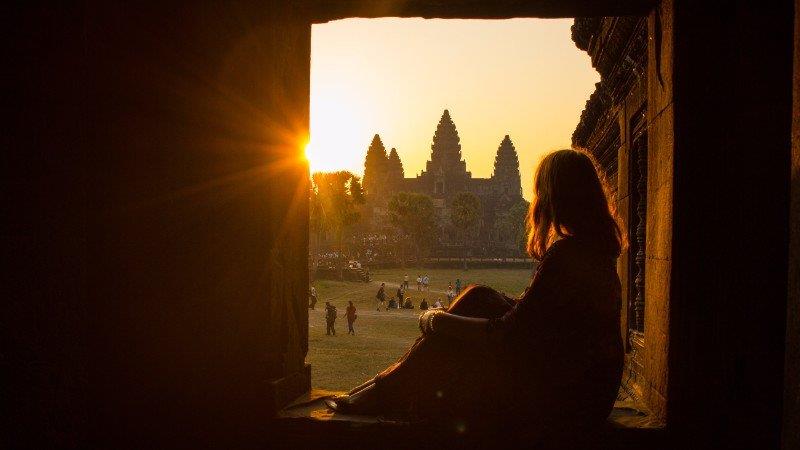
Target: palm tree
(334,206)
(510,228)
(465,214)
(413,215)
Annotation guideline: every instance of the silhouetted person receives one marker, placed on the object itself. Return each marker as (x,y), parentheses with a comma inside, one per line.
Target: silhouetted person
(350,314)
(312,294)
(423,305)
(458,286)
(330,319)
(381,296)
(551,359)
(408,304)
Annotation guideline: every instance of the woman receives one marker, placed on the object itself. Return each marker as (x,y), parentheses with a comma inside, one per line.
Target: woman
(551,357)
(350,313)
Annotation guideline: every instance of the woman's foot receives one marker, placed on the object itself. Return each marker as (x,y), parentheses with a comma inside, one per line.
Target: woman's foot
(363,401)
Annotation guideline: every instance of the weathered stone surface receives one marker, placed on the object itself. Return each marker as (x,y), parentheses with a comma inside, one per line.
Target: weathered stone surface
(661,135)
(659,58)
(659,224)
(657,293)
(325,10)
(791,421)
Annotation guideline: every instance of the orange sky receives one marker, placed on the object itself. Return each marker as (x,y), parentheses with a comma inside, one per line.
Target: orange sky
(394,77)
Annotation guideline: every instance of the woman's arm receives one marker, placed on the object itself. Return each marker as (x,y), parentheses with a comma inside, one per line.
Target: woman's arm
(469,329)
(521,317)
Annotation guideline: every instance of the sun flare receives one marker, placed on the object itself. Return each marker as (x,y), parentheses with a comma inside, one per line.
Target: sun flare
(337,140)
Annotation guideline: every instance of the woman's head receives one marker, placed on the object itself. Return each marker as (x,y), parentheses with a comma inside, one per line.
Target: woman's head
(570,200)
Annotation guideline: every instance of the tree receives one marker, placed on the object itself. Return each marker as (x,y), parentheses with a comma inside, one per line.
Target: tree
(465,215)
(511,229)
(412,214)
(335,198)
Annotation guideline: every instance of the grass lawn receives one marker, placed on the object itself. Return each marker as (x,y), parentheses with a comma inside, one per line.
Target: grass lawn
(343,361)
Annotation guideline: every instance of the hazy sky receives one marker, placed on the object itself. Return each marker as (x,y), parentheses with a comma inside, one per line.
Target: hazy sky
(394,77)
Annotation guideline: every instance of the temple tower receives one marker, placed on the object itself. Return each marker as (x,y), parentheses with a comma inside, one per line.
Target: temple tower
(375,167)
(446,173)
(506,178)
(394,172)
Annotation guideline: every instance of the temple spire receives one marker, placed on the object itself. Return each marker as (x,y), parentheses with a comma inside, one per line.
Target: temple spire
(375,165)
(506,168)
(395,166)
(446,143)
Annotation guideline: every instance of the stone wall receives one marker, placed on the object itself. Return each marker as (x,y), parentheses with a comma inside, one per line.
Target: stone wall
(730,222)
(718,166)
(791,422)
(658,246)
(159,221)
(200,186)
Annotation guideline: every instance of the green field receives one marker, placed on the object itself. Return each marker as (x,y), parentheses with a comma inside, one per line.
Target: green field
(343,361)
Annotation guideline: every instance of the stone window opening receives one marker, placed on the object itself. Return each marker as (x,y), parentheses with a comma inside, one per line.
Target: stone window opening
(611,143)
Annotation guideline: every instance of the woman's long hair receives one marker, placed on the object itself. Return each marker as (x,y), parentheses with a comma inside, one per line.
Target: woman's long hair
(570,200)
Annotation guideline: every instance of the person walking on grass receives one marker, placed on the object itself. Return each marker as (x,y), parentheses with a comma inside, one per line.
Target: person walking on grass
(426,283)
(405,282)
(458,286)
(419,282)
(330,319)
(312,294)
(351,316)
(451,294)
(381,296)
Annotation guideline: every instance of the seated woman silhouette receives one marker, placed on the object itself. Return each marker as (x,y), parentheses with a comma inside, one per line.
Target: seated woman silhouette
(550,356)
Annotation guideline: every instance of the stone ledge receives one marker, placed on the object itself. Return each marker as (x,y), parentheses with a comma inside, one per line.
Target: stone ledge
(307,422)
(281,391)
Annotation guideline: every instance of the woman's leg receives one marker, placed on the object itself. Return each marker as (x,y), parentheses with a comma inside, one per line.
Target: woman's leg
(479,301)
(434,366)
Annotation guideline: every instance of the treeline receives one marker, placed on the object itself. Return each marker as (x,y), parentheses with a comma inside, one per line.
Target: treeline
(336,201)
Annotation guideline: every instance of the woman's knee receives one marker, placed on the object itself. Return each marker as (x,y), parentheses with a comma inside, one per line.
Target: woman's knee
(477,300)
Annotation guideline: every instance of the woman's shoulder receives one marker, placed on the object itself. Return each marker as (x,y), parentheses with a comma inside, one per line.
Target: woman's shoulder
(558,249)
(575,245)
(573,254)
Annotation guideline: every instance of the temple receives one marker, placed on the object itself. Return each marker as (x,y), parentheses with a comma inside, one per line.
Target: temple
(445,175)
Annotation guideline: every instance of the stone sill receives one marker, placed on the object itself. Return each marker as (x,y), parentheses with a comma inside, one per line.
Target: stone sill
(307,422)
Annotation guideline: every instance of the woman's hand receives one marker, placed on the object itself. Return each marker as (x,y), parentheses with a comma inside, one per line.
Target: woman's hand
(426,321)
(440,323)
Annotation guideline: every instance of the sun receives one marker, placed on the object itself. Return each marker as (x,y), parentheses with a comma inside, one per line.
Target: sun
(323,158)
